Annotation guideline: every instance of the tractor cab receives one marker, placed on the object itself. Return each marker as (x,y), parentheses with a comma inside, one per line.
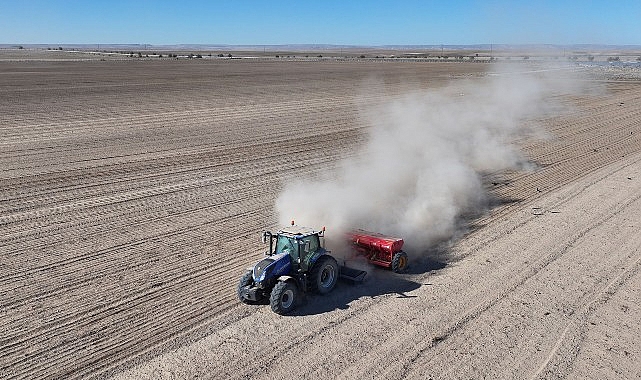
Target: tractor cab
(301,244)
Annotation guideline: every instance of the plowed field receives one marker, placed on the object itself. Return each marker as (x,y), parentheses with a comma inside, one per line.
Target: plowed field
(133,194)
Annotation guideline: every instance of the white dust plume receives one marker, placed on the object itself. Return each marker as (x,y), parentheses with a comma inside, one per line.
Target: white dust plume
(421,166)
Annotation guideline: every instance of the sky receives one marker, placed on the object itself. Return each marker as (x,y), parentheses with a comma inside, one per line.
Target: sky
(346,22)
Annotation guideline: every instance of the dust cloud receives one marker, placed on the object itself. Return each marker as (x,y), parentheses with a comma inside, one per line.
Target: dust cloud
(422,165)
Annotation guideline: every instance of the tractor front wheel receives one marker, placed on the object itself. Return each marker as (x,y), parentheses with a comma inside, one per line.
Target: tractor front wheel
(284,297)
(246,280)
(399,262)
(324,274)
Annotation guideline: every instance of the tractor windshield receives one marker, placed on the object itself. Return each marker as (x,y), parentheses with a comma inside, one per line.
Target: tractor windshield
(286,244)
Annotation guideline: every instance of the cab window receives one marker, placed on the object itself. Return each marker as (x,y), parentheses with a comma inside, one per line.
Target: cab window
(313,242)
(285,244)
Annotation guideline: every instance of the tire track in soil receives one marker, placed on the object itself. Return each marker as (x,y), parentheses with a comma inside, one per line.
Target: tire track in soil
(568,176)
(535,268)
(56,340)
(441,336)
(574,153)
(309,338)
(558,362)
(107,331)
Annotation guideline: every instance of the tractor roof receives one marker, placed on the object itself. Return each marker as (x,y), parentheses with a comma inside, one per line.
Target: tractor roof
(298,230)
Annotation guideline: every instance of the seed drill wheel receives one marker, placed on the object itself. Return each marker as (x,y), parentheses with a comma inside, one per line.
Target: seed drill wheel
(284,297)
(324,274)
(399,262)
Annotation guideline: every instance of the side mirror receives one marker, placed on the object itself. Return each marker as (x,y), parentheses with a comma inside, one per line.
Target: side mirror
(266,236)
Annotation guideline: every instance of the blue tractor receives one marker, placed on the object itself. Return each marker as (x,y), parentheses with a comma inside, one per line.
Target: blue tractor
(296,263)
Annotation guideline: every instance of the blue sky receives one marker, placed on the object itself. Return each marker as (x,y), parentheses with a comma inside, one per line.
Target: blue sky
(357,22)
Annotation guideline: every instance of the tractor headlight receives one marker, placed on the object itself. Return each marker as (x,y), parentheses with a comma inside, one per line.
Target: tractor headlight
(263,269)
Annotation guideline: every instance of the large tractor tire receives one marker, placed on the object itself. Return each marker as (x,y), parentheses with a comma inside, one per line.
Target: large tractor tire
(284,297)
(324,275)
(247,279)
(399,262)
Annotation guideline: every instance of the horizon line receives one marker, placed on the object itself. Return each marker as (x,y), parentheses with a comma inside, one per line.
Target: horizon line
(325,45)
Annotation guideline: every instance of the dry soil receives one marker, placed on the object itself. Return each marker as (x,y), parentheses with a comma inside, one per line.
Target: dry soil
(133,194)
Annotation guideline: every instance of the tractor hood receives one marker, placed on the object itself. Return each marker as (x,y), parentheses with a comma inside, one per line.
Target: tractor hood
(272,266)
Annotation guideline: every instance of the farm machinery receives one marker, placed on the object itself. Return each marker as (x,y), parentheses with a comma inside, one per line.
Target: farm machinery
(297,262)
(381,250)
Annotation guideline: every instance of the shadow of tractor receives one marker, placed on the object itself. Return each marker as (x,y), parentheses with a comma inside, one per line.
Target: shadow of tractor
(379,282)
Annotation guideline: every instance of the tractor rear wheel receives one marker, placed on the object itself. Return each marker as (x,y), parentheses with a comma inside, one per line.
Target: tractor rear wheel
(399,262)
(284,297)
(246,280)
(324,274)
